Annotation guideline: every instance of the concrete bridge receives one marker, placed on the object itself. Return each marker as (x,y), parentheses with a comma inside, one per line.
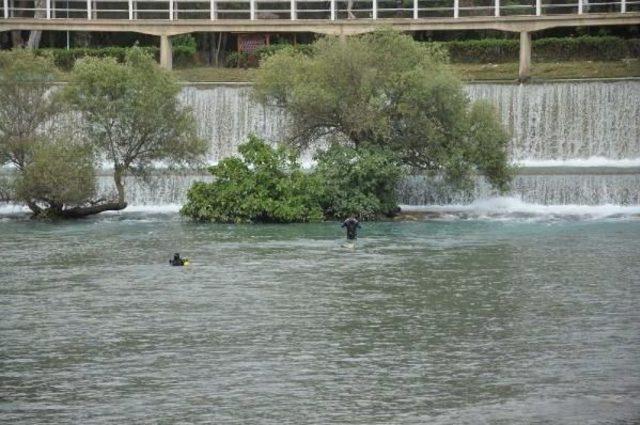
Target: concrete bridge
(332,17)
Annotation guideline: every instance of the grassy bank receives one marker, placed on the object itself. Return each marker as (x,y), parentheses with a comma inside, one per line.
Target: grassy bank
(469,72)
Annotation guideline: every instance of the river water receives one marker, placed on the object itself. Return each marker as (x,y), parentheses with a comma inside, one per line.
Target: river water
(446,321)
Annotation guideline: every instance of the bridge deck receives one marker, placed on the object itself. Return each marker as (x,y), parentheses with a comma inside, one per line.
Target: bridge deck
(336,27)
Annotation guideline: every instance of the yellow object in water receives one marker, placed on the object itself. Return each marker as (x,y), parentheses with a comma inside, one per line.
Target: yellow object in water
(185,262)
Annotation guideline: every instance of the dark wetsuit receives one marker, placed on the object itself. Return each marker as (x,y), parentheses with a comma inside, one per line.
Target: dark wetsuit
(177,261)
(352,226)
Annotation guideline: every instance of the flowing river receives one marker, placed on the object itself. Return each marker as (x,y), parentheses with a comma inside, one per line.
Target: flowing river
(439,322)
(473,309)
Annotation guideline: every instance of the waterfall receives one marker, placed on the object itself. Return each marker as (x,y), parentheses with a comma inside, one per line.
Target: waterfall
(227,115)
(551,123)
(556,120)
(566,120)
(579,142)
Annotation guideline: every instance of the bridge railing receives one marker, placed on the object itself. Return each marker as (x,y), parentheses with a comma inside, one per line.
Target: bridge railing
(302,9)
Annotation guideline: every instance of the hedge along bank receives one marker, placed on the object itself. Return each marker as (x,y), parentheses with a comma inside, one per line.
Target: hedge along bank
(556,49)
(184,52)
(492,50)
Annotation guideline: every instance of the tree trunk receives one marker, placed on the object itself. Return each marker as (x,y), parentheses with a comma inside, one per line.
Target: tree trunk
(350,14)
(35,209)
(34,39)
(80,212)
(118,176)
(16,39)
(36,36)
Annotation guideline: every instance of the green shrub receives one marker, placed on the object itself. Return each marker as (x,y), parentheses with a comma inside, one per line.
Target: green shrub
(237,60)
(604,48)
(184,50)
(65,59)
(60,175)
(252,60)
(482,51)
(358,182)
(264,185)
(580,48)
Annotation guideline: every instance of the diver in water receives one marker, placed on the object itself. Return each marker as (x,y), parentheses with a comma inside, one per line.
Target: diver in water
(352,226)
(177,261)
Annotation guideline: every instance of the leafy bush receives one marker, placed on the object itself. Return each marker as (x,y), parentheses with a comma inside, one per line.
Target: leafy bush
(184,50)
(60,175)
(252,60)
(65,59)
(264,185)
(358,182)
(577,48)
(544,49)
(237,60)
(482,51)
(267,185)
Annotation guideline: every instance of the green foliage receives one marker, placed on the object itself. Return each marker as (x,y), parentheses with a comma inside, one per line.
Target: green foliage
(65,59)
(132,113)
(184,40)
(264,185)
(184,49)
(60,175)
(581,48)
(25,104)
(237,60)
(358,182)
(488,50)
(604,48)
(252,60)
(385,90)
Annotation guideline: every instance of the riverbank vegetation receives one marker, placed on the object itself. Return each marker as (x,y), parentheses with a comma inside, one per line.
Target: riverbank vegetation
(126,113)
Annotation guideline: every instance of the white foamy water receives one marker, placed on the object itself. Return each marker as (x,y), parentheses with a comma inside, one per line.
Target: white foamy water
(568,120)
(592,162)
(502,207)
(564,121)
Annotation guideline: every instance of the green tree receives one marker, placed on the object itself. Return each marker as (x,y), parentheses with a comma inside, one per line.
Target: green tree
(26,104)
(131,111)
(385,89)
(60,180)
(52,169)
(263,185)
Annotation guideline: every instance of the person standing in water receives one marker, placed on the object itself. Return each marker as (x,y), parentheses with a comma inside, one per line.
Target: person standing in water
(352,226)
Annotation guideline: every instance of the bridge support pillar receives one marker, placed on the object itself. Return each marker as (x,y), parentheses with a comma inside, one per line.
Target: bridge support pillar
(525,56)
(166,52)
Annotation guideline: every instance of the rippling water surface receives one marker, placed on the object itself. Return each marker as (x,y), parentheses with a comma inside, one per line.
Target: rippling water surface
(460,321)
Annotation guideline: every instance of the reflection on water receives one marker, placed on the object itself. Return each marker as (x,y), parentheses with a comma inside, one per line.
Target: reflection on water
(426,322)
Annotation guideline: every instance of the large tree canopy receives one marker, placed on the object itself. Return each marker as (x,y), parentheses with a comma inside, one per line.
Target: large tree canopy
(385,89)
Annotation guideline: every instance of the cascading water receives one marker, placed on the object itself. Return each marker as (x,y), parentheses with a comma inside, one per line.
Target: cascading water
(593,126)
(566,120)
